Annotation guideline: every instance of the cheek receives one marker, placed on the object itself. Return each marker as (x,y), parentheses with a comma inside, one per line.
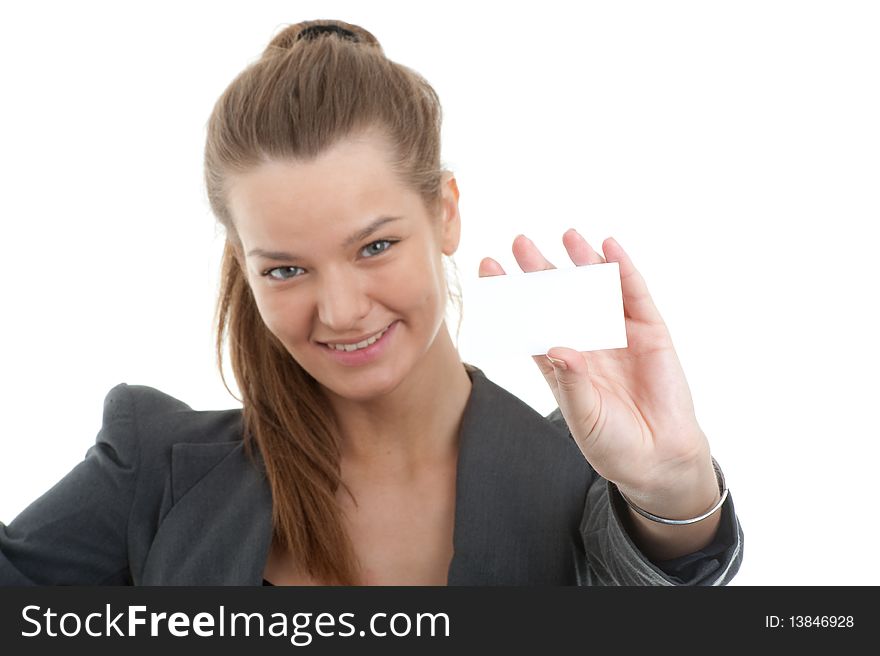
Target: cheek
(415,287)
(402,285)
(281,314)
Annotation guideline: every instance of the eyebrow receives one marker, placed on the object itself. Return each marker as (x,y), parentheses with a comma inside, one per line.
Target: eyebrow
(352,239)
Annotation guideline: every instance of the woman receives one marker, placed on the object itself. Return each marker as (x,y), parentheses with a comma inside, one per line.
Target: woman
(366,452)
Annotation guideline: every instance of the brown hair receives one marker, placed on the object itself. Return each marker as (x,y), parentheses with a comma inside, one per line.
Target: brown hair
(316,82)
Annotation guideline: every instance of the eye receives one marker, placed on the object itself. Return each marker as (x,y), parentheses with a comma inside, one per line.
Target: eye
(369,248)
(268,273)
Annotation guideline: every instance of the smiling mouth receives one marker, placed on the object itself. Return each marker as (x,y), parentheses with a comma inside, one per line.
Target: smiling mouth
(359,345)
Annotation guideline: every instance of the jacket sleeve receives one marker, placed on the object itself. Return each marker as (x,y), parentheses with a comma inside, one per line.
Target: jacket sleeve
(75,534)
(614,559)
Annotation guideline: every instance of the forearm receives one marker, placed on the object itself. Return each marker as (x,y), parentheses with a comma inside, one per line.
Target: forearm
(692,496)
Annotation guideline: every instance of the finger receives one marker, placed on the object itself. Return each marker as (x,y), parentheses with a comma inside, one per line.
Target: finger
(637,302)
(489,267)
(528,256)
(579,250)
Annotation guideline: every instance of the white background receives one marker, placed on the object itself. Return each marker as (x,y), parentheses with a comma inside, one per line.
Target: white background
(732,148)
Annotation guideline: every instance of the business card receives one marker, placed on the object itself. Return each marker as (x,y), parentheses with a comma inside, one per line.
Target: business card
(528,313)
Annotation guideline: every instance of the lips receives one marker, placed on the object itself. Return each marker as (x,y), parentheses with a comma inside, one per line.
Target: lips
(356,357)
(349,342)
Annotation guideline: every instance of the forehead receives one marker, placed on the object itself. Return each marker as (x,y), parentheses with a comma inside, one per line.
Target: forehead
(347,182)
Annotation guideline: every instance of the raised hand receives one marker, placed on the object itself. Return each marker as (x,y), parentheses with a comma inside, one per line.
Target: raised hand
(630,409)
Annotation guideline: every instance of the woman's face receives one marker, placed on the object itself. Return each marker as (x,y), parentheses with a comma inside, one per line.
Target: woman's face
(319,277)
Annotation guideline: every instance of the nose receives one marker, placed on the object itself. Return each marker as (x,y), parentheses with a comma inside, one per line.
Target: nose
(342,303)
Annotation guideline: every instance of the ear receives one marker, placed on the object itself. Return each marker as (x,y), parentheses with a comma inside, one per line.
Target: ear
(450,219)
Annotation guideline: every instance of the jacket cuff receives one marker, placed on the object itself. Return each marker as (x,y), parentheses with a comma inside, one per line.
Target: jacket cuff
(614,559)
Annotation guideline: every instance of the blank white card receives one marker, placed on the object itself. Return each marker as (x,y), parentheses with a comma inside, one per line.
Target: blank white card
(528,313)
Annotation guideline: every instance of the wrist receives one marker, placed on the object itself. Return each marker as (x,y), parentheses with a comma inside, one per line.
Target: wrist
(691,492)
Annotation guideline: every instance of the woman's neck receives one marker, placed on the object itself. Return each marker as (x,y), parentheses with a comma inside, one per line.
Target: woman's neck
(417,424)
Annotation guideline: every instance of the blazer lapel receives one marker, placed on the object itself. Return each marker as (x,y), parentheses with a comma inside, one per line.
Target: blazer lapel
(520,490)
(218,530)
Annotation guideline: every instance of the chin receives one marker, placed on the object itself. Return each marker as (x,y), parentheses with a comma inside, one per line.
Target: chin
(361,387)
(358,384)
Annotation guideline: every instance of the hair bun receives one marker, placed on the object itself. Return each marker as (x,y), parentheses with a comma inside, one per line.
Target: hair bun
(316,30)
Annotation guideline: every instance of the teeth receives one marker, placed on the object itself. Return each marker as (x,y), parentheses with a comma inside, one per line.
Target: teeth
(359,345)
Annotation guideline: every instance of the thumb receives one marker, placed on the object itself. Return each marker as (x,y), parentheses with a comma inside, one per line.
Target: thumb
(577,396)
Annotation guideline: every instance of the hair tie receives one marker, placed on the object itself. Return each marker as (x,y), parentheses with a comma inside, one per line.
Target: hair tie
(314,31)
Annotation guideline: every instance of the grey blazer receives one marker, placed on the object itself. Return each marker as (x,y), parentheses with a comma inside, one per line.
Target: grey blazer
(167,496)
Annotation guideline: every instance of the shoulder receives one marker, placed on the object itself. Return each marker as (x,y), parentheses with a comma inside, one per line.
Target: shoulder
(157,421)
(495,404)
(514,430)
(164,447)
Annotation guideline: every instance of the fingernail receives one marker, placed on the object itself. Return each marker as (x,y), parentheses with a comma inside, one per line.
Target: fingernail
(560,364)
